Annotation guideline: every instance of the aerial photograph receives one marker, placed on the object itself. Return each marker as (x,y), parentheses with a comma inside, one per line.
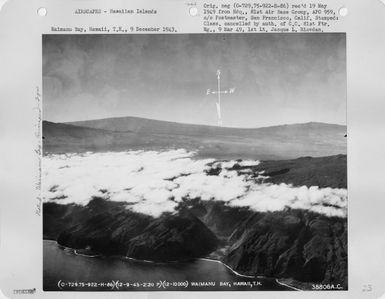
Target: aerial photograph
(194,162)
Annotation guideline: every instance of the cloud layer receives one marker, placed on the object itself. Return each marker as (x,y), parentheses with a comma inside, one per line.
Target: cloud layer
(153,182)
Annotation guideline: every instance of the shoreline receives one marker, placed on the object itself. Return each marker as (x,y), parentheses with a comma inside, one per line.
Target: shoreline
(288,286)
(203,259)
(228,267)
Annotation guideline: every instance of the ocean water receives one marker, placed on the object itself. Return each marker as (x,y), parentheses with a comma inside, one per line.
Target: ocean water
(65,270)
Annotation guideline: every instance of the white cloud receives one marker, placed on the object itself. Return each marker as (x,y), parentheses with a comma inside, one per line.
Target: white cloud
(269,197)
(154,182)
(249,163)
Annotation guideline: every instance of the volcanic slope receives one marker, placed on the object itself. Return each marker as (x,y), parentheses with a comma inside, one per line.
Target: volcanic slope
(132,133)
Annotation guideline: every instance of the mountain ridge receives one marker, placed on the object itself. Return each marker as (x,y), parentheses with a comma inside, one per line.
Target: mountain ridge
(131,133)
(91,123)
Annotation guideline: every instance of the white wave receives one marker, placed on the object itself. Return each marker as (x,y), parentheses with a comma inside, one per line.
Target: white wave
(154,182)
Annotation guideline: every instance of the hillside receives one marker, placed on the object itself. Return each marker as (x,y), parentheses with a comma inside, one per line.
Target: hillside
(144,125)
(296,244)
(118,134)
(304,241)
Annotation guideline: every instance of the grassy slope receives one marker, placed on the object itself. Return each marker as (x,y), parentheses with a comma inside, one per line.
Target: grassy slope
(322,171)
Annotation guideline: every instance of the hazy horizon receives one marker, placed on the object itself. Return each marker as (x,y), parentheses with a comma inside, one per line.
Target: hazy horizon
(278,78)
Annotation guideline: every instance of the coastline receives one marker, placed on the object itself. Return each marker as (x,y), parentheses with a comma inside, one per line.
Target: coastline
(153,262)
(228,267)
(288,286)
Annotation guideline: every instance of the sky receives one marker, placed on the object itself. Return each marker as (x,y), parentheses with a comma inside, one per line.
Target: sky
(278,78)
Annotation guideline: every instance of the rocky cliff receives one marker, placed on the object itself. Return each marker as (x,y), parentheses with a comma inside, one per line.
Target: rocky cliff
(293,244)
